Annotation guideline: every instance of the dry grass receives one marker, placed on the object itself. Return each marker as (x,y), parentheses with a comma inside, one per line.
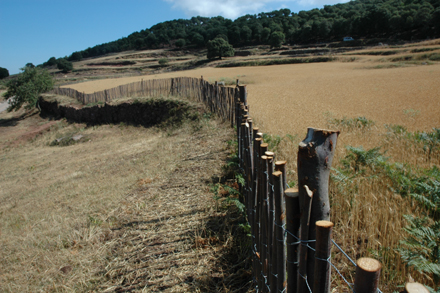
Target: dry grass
(129,209)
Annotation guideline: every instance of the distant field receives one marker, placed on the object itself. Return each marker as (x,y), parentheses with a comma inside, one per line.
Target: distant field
(290,98)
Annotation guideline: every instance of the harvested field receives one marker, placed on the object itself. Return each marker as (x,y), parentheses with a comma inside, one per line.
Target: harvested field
(290,98)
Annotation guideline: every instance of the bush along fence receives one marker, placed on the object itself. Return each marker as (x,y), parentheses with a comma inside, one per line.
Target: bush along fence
(290,227)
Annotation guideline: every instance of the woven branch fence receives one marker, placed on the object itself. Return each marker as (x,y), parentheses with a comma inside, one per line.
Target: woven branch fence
(290,227)
(219,99)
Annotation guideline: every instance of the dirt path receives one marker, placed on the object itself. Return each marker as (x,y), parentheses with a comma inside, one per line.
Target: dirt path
(171,238)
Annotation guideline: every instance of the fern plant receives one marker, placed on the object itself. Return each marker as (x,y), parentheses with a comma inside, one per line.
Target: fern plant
(430,141)
(357,158)
(421,249)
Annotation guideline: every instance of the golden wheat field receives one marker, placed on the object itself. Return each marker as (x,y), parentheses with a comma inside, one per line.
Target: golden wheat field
(290,98)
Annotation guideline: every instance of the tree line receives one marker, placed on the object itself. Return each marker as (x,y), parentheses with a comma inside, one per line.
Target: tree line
(401,19)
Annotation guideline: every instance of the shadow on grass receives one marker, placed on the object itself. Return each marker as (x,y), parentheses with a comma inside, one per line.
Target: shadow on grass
(10,122)
(232,267)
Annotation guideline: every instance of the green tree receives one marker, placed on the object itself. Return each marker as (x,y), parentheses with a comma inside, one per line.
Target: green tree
(180,43)
(64,65)
(26,88)
(76,56)
(3,72)
(277,39)
(265,34)
(52,61)
(30,65)
(246,34)
(219,48)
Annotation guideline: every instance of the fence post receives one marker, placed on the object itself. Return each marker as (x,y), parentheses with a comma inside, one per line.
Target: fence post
(264,221)
(315,155)
(270,224)
(243,94)
(415,288)
(280,222)
(293,214)
(322,279)
(367,275)
(303,286)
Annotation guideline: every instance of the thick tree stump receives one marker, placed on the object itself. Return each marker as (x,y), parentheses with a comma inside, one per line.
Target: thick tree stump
(315,155)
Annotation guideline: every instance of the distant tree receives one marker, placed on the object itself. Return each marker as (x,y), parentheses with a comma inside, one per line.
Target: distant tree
(3,72)
(25,89)
(76,56)
(265,34)
(219,48)
(246,34)
(64,65)
(277,39)
(30,65)
(180,43)
(151,40)
(52,61)
(198,39)
(222,36)
(234,34)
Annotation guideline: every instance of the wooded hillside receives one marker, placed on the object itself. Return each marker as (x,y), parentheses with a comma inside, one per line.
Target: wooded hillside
(397,19)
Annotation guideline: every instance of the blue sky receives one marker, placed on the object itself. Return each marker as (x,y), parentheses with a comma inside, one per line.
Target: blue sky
(35,30)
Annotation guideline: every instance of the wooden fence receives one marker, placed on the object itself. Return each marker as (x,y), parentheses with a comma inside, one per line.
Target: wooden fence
(290,227)
(220,100)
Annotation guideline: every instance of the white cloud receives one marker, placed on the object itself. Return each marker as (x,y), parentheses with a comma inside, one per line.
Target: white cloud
(236,8)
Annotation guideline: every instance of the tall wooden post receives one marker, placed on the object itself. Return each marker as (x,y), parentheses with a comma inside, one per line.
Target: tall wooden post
(315,156)
(304,249)
(243,94)
(293,221)
(270,224)
(367,275)
(280,221)
(322,279)
(264,220)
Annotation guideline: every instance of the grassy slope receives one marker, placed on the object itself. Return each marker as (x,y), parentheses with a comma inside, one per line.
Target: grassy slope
(128,208)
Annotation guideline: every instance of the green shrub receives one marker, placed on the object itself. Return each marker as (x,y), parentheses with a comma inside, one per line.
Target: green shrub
(26,88)
(64,65)
(3,72)
(163,61)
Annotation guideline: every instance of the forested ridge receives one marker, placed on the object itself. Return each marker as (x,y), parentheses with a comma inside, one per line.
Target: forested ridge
(398,19)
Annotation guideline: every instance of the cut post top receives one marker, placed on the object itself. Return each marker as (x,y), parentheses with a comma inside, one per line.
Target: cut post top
(324,224)
(292,192)
(415,288)
(369,264)
(264,157)
(279,163)
(269,154)
(264,145)
(277,173)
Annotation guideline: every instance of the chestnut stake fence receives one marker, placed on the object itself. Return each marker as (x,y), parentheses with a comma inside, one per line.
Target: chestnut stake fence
(290,227)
